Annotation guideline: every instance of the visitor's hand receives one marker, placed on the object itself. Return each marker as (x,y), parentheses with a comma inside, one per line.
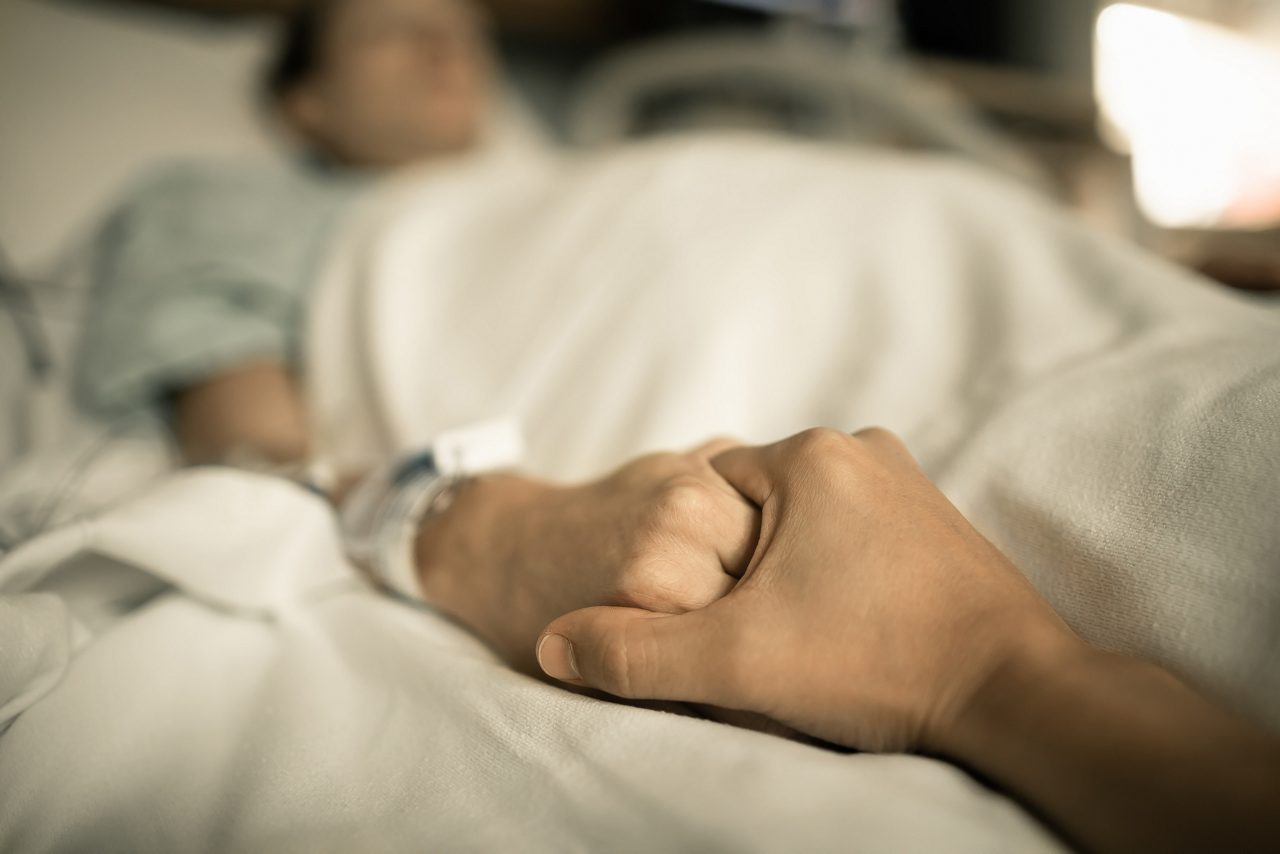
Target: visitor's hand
(869,615)
(664,533)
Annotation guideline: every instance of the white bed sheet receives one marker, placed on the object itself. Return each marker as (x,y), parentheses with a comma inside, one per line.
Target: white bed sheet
(276,704)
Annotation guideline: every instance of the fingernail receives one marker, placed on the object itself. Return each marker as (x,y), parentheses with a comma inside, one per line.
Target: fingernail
(555,657)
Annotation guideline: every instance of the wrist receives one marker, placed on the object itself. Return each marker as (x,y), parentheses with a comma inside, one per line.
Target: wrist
(1044,662)
(461,554)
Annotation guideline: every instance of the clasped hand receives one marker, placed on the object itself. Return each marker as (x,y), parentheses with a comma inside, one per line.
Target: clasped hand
(869,614)
(822,581)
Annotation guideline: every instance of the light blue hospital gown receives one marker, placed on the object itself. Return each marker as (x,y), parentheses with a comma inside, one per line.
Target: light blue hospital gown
(205,266)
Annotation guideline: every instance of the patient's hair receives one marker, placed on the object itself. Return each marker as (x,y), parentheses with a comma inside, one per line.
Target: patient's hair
(298,53)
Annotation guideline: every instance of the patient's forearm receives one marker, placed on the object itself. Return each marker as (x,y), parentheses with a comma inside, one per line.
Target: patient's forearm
(1121,756)
(256,408)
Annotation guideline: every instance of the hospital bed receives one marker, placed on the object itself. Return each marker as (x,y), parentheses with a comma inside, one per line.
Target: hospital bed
(1108,420)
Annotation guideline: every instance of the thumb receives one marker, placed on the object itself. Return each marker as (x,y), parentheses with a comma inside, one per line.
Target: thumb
(637,654)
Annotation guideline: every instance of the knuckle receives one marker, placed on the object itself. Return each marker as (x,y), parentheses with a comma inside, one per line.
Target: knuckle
(615,666)
(875,431)
(882,437)
(638,579)
(819,445)
(683,498)
(659,585)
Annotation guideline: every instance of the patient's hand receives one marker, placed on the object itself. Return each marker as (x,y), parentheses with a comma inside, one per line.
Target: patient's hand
(665,533)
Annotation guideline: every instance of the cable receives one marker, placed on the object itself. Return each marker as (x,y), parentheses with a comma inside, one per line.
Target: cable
(78,470)
(16,294)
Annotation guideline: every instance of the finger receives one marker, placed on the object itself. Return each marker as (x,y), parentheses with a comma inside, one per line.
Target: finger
(637,654)
(741,519)
(677,582)
(707,587)
(740,533)
(745,469)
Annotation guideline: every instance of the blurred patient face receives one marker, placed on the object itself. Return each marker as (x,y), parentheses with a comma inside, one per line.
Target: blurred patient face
(396,81)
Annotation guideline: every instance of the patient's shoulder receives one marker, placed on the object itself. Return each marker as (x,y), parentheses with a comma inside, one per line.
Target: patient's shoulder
(221,202)
(226,182)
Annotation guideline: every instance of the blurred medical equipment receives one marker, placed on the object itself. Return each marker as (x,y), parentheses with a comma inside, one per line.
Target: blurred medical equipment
(870,15)
(27,360)
(96,461)
(825,70)
(40,316)
(15,295)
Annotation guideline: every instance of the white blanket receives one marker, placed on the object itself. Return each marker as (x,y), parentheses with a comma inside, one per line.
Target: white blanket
(1108,420)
